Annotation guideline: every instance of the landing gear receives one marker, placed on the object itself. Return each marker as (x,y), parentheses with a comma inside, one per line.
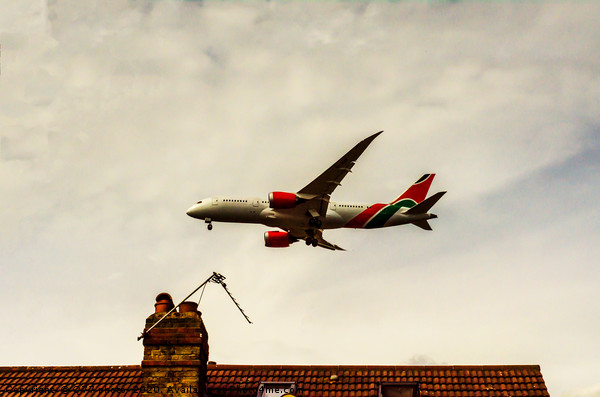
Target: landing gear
(208,221)
(312,241)
(313,218)
(315,222)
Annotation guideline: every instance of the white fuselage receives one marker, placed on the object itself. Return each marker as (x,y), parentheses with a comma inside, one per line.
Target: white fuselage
(256,210)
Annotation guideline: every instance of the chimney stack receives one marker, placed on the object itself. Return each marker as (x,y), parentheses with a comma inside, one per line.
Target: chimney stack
(175,351)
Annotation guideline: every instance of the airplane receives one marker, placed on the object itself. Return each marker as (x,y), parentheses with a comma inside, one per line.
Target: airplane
(305,214)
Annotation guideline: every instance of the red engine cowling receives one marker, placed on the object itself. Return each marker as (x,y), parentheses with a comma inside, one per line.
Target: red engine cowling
(277,239)
(282,200)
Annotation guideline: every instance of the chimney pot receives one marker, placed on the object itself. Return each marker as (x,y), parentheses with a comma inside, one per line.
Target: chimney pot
(164,296)
(188,306)
(164,303)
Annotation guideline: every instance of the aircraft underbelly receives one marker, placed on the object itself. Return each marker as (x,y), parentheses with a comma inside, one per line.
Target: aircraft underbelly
(403,219)
(279,218)
(237,215)
(333,220)
(290,219)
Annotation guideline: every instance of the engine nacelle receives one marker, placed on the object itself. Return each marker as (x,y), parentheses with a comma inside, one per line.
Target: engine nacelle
(277,239)
(282,200)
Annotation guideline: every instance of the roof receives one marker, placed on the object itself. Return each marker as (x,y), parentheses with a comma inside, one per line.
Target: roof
(121,381)
(364,380)
(311,380)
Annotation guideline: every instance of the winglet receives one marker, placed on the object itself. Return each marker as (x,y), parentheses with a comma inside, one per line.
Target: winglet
(362,145)
(370,138)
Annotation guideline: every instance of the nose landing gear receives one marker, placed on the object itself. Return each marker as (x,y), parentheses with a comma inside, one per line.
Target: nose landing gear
(208,221)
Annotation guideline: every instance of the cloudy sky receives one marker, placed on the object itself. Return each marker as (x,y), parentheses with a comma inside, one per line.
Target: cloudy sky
(115,118)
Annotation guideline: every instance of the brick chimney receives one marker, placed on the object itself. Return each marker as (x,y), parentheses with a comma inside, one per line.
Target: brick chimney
(175,351)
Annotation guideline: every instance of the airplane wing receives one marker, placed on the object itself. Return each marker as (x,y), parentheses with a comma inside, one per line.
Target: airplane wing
(324,243)
(318,191)
(318,235)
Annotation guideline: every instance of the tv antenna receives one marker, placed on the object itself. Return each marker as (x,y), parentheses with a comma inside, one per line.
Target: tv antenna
(214,278)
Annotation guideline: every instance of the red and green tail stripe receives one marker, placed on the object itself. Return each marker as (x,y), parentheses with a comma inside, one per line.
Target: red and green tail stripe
(360,220)
(378,214)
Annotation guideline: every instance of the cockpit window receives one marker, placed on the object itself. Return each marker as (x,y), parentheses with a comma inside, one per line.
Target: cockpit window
(199,202)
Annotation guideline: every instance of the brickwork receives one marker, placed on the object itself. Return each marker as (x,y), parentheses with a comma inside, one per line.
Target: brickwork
(175,356)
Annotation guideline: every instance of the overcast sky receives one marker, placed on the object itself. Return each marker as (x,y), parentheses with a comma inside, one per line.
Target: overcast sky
(115,118)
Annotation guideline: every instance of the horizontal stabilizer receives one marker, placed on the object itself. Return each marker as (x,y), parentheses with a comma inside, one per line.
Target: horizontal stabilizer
(423,224)
(424,206)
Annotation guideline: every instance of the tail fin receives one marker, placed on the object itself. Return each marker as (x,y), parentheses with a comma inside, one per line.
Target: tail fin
(416,193)
(425,205)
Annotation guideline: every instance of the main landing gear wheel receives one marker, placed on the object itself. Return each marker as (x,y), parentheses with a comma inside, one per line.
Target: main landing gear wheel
(314,222)
(312,241)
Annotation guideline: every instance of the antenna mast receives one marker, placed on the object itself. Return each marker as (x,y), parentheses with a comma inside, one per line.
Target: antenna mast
(214,278)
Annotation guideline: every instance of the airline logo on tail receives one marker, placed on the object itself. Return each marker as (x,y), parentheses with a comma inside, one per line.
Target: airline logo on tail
(416,193)
(378,214)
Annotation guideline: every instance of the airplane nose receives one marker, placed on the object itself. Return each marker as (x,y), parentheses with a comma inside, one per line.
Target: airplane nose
(193,211)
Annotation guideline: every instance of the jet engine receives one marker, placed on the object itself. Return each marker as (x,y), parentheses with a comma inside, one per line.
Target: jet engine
(282,200)
(277,239)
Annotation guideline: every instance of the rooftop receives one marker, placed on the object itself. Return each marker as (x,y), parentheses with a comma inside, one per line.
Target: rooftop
(311,380)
